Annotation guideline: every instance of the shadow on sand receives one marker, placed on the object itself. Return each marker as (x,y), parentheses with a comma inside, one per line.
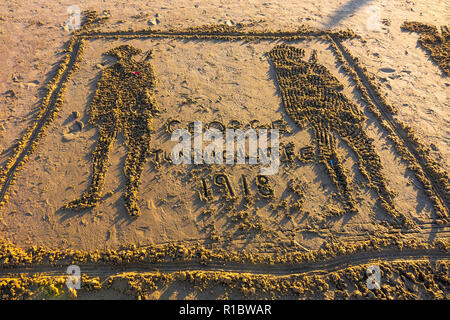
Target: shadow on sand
(344,12)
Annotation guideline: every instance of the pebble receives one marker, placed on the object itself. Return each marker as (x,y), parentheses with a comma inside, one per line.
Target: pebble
(75,114)
(10,94)
(68,137)
(153,21)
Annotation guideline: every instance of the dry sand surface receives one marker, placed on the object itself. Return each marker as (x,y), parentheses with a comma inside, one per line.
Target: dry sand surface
(208,80)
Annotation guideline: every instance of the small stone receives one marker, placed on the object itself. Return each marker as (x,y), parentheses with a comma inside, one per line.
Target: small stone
(68,137)
(387,70)
(153,21)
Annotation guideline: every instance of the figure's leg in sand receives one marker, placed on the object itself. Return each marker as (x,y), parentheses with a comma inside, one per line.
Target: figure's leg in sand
(333,164)
(371,167)
(99,167)
(138,141)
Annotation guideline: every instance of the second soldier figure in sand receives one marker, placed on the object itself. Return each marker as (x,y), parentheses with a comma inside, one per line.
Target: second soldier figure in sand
(313,96)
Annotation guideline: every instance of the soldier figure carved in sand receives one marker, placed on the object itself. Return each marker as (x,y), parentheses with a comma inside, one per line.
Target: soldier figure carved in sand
(124,101)
(312,96)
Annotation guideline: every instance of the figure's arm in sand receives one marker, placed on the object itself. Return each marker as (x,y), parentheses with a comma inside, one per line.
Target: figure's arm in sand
(104,98)
(147,96)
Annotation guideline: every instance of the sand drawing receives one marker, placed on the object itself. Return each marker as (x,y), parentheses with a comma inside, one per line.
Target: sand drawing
(357,186)
(312,96)
(124,100)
